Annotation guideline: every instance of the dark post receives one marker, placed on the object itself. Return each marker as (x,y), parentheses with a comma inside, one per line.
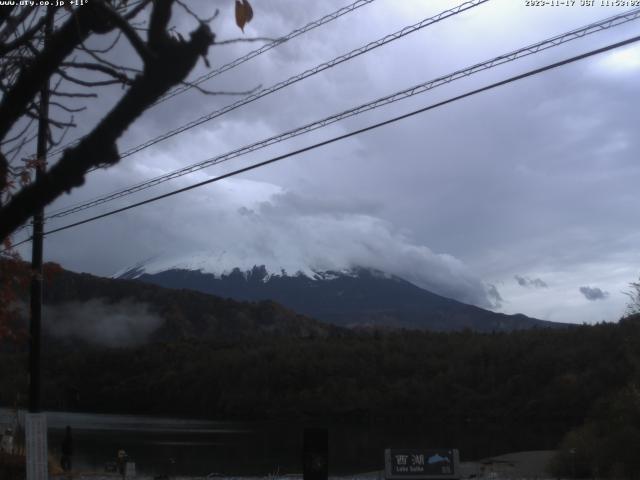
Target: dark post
(315,458)
(36,252)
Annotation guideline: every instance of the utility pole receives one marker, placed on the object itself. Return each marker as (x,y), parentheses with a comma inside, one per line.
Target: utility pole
(36,423)
(37,248)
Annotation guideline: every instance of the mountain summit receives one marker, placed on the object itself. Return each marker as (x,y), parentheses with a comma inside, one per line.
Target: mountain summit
(356,297)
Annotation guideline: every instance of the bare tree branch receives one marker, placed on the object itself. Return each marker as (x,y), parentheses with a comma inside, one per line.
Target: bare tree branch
(16,150)
(73,95)
(135,11)
(5,13)
(129,32)
(66,108)
(61,44)
(211,92)
(18,135)
(160,16)
(98,148)
(106,49)
(90,83)
(94,54)
(12,23)
(55,143)
(5,48)
(247,40)
(111,71)
(4,174)
(35,114)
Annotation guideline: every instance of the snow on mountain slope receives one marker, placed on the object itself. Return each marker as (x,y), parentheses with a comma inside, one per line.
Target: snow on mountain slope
(355,297)
(223,263)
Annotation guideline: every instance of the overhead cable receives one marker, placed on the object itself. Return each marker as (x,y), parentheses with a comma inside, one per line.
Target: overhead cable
(406,93)
(471,93)
(307,73)
(265,48)
(245,58)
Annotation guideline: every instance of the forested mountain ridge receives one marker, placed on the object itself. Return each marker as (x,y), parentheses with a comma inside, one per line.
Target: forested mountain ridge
(358,297)
(222,359)
(184,314)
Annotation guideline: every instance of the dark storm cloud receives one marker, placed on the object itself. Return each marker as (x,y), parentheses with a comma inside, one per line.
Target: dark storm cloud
(529,282)
(593,293)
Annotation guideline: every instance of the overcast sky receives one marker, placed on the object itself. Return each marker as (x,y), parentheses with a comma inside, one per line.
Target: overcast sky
(521,199)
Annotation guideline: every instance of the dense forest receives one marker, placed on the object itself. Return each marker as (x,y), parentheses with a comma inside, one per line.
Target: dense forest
(203,356)
(584,380)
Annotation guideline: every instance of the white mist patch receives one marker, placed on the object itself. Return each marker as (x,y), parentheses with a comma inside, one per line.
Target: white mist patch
(122,324)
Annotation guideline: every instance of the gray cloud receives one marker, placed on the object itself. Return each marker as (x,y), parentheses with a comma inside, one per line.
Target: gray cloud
(593,293)
(121,324)
(539,176)
(529,282)
(293,231)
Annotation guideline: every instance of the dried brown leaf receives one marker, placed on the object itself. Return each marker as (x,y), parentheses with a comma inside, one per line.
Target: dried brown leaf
(244,13)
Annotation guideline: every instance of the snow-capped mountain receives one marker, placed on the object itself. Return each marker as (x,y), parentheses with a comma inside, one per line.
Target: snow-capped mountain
(354,297)
(218,264)
(221,267)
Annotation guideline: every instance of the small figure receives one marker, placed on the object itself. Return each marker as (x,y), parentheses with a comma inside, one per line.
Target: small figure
(6,445)
(67,450)
(122,461)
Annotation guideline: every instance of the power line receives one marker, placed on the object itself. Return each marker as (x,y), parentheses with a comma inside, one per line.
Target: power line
(406,93)
(265,48)
(356,132)
(245,58)
(308,73)
(296,78)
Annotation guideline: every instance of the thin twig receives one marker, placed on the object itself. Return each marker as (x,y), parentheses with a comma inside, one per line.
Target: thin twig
(136,42)
(103,61)
(137,10)
(85,83)
(62,135)
(106,49)
(248,40)
(67,109)
(107,70)
(73,95)
(210,92)
(17,136)
(194,15)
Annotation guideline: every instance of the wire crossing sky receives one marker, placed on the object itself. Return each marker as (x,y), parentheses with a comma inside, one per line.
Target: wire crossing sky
(245,58)
(308,73)
(517,199)
(265,48)
(351,134)
(397,96)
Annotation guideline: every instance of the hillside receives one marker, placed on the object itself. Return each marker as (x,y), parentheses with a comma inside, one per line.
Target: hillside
(354,298)
(170,314)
